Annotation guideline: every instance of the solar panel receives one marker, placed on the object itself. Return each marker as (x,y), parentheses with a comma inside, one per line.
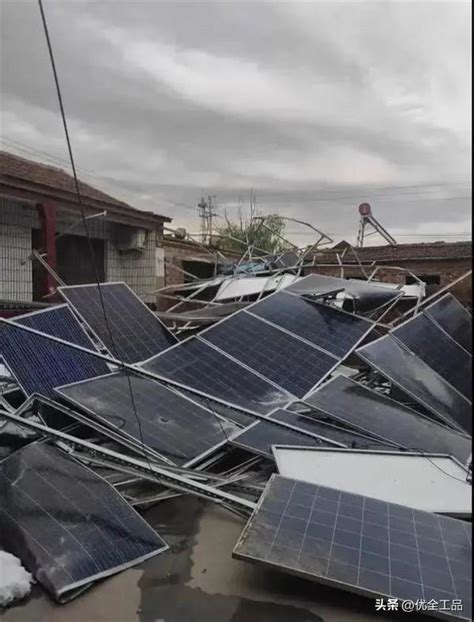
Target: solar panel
(366,295)
(39,364)
(261,435)
(170,424)
(418,380)
(317,284)
(360,544)
(285,360)
(331,431)
(371,412)
(453,318)
(132,332)
(430,482)
(68,525)
(334,331)
(199,366)
(438,350)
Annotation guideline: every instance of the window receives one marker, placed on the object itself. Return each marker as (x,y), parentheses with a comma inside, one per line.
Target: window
(429,279)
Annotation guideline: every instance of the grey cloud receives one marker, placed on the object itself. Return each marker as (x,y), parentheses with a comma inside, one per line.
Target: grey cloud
(373,95)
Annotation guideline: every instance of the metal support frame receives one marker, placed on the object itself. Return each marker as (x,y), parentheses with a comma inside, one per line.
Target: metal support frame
(40,259)
(149,471)
(369,220)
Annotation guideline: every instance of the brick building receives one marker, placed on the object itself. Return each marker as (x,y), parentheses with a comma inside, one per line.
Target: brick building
(39,211)
(435,263)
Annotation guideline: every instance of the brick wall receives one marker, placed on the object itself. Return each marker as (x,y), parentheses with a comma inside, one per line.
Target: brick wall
(448,270)
(175,252)
(178,250)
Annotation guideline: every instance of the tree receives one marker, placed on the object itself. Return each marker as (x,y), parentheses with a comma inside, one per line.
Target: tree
(263,233)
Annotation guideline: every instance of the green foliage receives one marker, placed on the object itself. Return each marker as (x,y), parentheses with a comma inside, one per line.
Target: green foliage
(265,236)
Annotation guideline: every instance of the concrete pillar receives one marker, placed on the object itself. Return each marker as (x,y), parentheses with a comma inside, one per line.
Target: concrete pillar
(47,216)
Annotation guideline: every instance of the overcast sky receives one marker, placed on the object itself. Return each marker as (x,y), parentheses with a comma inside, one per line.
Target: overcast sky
(316,106)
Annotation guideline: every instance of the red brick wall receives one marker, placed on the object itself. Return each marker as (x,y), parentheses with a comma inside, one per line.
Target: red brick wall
(175,252)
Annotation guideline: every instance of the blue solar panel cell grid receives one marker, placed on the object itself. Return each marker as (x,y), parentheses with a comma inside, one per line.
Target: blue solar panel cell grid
(70,524)
(199,366)
(39,364)
(368,545)
(170,424)
(132,332)
(438,350)
(418,380)
(288,362)
(371,412)
(330,329)
(448,313)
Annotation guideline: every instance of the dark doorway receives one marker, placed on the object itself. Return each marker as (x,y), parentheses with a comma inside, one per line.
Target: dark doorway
(75,264)
(200,269)
(432,282)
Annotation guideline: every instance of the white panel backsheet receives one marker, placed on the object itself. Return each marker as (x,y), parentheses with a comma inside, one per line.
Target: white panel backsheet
(430,482)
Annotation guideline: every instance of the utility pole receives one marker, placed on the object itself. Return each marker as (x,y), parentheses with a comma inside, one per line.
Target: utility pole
(206,212)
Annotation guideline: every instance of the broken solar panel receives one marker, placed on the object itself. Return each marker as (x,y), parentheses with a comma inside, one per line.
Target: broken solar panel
(261,435)
(287,361)
(40,364)
(68,526)
(419,380)
(449,313)
(317,284)
(170,424)
(334,331)
(371,412)
(360,544)
(364,295)
(199,366)
(131,332)
(438,350)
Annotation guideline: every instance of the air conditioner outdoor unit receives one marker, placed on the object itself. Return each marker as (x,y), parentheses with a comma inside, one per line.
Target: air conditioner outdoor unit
(131,240)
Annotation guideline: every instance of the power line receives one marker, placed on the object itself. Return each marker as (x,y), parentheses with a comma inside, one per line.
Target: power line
(334,195)
(399,235)
(57,161)
(84,220)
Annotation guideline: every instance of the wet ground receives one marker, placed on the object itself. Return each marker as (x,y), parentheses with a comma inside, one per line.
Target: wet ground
(198,581)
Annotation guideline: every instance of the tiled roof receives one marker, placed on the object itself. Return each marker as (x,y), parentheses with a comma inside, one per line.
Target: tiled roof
(14,169)
(401,252)
(46,175)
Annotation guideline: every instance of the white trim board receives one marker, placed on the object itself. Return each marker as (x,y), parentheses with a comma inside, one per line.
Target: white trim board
(429,482)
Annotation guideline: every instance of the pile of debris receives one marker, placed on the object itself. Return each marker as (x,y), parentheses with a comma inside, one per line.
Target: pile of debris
(342,440)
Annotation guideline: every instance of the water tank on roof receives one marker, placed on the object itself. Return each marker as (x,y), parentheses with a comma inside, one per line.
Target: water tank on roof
(180,233)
